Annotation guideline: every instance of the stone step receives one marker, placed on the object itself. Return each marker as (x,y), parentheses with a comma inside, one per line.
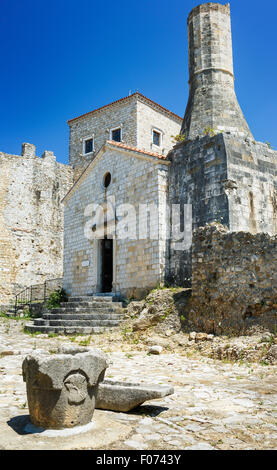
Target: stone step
(69,330)
(83,315)
(88,311)
(91,304)
(66,323)
(91,316)
(104,294)
(90,298)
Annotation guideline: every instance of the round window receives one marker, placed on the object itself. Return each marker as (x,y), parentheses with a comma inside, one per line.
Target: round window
(107,180)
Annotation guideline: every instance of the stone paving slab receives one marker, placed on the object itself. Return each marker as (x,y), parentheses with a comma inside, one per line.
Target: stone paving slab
(216,405)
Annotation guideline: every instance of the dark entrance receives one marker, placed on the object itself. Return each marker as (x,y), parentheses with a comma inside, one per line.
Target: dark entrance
(107,265)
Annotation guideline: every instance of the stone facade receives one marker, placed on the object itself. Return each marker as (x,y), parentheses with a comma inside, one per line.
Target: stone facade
(31,219)
(62,387)
(234,281)
(151,116)
(138,177)
(251,188)
(136,115)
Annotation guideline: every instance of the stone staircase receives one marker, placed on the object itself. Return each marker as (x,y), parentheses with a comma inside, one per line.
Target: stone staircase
(80,315)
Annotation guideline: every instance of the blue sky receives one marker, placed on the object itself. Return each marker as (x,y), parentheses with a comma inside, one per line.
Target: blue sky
(62,58)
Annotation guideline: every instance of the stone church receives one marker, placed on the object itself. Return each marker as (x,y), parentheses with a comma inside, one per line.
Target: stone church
(126,143)
(217,168)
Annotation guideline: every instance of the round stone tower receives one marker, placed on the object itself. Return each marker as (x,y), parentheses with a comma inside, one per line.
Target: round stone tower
(212,103)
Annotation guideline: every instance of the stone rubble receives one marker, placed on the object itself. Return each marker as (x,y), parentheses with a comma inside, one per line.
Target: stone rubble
(272,354)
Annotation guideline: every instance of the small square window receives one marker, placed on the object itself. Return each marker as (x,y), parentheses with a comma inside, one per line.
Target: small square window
(89,146)
(156,138)
(116,135)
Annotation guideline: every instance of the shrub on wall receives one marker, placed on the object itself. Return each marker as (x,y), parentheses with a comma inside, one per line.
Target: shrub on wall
(56,297)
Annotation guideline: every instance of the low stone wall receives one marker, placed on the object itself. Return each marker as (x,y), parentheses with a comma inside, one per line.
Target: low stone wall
(234,281)
(36,309)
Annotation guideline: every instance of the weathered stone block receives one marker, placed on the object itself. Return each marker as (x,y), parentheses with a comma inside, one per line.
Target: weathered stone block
(31,219)
(123,396)
(234,288)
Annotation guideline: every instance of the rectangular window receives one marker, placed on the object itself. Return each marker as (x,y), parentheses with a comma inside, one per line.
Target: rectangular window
(116,135)
(88,145)
(156,138)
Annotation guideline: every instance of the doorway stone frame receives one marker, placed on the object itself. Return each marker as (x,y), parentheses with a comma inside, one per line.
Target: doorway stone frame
(99,265)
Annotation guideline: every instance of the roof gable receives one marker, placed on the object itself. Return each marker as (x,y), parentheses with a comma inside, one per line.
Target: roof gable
(127,149)
(138,96)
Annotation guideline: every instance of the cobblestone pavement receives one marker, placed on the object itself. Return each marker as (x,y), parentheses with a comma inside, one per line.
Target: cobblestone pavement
(216,405)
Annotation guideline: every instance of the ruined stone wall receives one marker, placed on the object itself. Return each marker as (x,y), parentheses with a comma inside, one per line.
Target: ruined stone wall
(149,119)
(31,219)
(234,281)
(138,264)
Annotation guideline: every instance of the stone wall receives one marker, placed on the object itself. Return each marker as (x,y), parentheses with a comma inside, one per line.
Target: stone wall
(227,179)
(31,219)
(234,281)
(251,188)
(150,118)
(136,115)
(138,264)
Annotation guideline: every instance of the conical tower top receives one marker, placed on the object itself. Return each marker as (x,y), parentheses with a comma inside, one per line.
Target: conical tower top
(212,100)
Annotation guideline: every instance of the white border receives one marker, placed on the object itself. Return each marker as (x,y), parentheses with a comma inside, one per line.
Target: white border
(158,131)
(84,139)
